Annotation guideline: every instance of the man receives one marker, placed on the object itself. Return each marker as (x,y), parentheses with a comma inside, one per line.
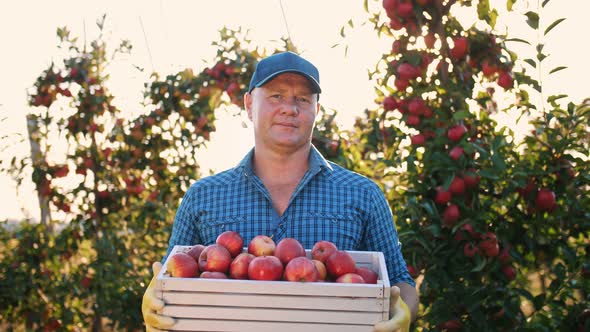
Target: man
(285,188)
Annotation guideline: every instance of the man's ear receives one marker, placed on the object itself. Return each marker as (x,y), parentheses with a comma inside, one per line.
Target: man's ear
(248,104)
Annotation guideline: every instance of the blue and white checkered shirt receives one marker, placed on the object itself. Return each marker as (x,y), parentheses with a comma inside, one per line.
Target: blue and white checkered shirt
(330,203)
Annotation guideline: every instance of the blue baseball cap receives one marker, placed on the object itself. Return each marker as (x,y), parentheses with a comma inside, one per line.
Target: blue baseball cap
(285,62)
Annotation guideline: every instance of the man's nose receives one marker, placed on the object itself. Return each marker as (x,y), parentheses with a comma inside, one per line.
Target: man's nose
(290,107)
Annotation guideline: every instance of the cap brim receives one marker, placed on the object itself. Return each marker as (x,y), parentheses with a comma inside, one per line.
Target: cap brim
(314,83)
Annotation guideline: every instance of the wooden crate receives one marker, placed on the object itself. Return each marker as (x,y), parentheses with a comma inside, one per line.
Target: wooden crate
(249,305)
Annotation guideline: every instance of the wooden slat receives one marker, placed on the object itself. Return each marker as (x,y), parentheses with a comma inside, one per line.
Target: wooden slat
(270,287)
(262,326)
(279,315)
(274,301)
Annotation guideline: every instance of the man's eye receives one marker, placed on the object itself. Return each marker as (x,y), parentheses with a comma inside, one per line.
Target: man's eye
(276,96)
(304,100)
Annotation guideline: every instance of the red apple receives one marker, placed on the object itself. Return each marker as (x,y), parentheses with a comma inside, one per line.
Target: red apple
(509,272)
(339,263)
(407,72)
(456,153)
(456,133)
(287,249)
(238,269)
(459,50)
(214,258)
(232,241)
(418,139)
(182,265)
(368,275)
(545,200)
(350,278)
(301,269)
(261,245)
(195,251)
(322,271)
(414,273)
(213,275)
(470,250)
(489,245)
(389,103)
(442,197)
(265,268)
(457,186)
(413,120)
(505,80)
(471,178)
(451,215)
(322,250)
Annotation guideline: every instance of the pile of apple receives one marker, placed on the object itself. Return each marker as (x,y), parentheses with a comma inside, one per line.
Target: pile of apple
(265,260)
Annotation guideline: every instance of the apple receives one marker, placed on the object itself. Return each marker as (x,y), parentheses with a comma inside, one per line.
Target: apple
(195,251)
(214,258)
(509,272)
(301,269)
(287,249)
(265,268)
(350,278)
(416,106)
(456,152)
(455,133)
(182,265)
(457,186)
(322,271)
(469,250)
(232,241)
(451,215)
(418,139)
(322,250)
(261,245)
(412,271)
(389,103)
(504,257)
(368,275)
(405,9)
(401,84)
(413,120)
(505,80)
(390,7)
(442,197)
(238,269)
(407,72)
(339,263)
(489,245)
(459,49)
(471,178)
(545,200)
(213,275)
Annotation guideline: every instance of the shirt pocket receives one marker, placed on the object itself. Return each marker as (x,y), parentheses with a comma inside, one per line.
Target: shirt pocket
(345,230)
(211,225)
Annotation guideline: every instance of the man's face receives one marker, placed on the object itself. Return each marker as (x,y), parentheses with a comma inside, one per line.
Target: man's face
(283,112)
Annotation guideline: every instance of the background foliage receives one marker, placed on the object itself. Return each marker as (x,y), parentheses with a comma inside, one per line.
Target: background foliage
(495,229)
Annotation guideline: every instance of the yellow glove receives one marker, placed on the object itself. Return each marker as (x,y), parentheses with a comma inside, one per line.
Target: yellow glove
(399,315)
(151,303)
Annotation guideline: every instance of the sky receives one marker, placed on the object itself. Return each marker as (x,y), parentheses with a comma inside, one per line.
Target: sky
(169,36)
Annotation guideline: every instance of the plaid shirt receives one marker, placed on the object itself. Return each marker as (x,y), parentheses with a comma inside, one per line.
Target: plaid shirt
(330,203)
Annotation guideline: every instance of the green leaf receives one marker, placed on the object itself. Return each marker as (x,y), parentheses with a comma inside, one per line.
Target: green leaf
(531,62)
(544,3)
(509,4)
(532,19)
(481,263)
(518,40)
(553,25)
(541,56)
(556,69)
(460,115)
(539,301)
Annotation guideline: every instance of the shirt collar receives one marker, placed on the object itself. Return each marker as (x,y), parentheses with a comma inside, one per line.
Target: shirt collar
(317,162)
